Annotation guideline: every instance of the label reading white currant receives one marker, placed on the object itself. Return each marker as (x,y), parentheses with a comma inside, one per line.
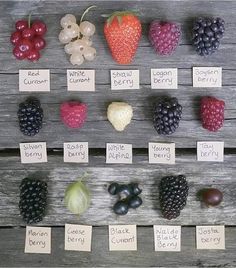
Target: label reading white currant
(161,153)
(124,79)
(207,77)
(76,152)
(81,80)
(34,80)
(119,153)
(163,78)
(212,151)
(35,152)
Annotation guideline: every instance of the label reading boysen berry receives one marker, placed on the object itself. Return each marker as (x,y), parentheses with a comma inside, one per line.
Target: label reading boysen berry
(207,77)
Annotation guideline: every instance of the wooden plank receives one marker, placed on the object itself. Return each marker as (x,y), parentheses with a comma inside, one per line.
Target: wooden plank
(12,245)
(59,175)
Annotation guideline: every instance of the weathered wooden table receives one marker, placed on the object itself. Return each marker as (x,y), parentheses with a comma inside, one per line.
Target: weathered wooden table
(97,131)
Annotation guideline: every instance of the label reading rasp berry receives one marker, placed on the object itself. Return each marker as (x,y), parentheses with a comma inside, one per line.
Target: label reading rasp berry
(76,152)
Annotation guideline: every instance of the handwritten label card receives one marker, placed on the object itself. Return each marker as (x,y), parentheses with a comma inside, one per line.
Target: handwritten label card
(210,237)
(124,79)
(210,151)
(81,80)
(76,152)
(207,77)
(34,80)
(38,240)
(167,238)
(78,237)
(122,237)
(118,153)
(161,153)
(164,78)
(35,152)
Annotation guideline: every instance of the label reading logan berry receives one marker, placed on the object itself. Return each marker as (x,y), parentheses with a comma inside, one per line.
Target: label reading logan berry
(161,153)
(124,79)
(164,78)
(35,152)
(34,80)
(81,80)
(76,152)
(207,77)
(119,153)
(38,240)
(212,151)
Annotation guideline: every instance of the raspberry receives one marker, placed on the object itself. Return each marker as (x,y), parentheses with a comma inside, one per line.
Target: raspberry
(212,113)
(73,114)
(164,36)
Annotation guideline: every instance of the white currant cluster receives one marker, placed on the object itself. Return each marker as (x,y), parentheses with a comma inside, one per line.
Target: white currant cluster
(77,39)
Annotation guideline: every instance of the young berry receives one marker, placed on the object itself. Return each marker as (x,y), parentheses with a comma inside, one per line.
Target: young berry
(39,27)
(15,37)
(21,25)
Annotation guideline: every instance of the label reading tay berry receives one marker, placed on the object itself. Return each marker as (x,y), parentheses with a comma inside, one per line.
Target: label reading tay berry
(212,151)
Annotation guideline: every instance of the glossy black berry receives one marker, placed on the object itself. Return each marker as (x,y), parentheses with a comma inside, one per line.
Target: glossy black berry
(173,195)
(121,207)
(30,116)
(167,115)
(135,188)
(112,189)
(124,191)
(135,201)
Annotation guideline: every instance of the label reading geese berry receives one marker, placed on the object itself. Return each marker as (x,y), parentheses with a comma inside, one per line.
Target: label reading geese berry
(164,78)
(34,80)
(76,152)
(124,79)
(207,77)
(81,80)
(161,153)
(35,152)
(118,153)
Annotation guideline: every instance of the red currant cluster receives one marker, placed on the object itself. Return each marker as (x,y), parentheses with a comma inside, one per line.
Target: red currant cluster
(28,39)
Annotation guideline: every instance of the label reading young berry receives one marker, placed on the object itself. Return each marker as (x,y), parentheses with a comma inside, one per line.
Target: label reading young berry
(78,237)
(34,80)
(161,153)
(117,153)
(210,237)
(38,240)
(124,79)
(212,151)
(76,152)
(167,238)
(164,78)
(35,152)
(207,77)
(122,237)
(81,80)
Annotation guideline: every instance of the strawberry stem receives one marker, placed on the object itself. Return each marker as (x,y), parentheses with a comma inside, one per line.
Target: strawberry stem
(85,12)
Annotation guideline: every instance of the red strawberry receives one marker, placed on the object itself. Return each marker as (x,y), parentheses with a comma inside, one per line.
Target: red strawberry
(212,113)
(123,31)
(73,114)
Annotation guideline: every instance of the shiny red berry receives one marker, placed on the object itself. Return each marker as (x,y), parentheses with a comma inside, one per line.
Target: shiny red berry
(15,37)
(18,53)
(28,33)
(21,25)
(25,45)
(39,27)
(39,43)
(33,55)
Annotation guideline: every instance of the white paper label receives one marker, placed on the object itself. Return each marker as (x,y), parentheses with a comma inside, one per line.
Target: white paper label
(122,237)
(38,240)
(167,238)
(161,153)
(76,152)
(164,78)
(207,77)
(78,237)
(118,153)
(210,151)
(210,237)
(34,80)
(124,79)
(35,152)
(81,80)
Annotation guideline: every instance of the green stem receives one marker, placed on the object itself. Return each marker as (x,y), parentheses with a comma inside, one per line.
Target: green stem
(29,19)
(86,11)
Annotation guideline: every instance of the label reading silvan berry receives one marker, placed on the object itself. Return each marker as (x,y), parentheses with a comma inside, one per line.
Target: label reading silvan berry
(35,152)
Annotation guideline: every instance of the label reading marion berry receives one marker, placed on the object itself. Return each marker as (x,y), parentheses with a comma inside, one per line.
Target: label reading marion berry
(81,80)
(207,77)
(164,78)
(212,151)
(35,152)
(76,152)
(124,79)
(34,80)
(118,153)
(161,153)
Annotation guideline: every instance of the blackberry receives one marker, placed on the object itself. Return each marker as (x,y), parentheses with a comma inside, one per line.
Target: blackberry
(30,115)
(173,195)
(167,115)
(207,33)
(33,200)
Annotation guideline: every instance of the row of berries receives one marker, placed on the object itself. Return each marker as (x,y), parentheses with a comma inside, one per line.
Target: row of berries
(173,193)
(167,115)
(122,31)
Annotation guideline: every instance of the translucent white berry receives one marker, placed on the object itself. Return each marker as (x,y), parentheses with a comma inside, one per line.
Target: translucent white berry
(87,28)
(76,59)
(72,30)
(64,38)
(79,46)
(67,20)
(89,53)
(87,41)
(69,48)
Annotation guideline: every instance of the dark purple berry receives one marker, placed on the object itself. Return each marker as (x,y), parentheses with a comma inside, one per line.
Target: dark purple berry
(112,189)
(135,202)
(121,208)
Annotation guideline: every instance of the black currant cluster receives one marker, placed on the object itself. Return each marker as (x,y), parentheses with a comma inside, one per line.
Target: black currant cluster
(33,200)
(207,33)
(167,115)
(128,197)
(173,192)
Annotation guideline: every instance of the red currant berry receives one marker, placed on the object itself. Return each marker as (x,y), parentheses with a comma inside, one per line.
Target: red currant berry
(15,37)
(25,45)
(33,55)
(39,27)
(21,25)
(39,43)
(28,33)
(18,53)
